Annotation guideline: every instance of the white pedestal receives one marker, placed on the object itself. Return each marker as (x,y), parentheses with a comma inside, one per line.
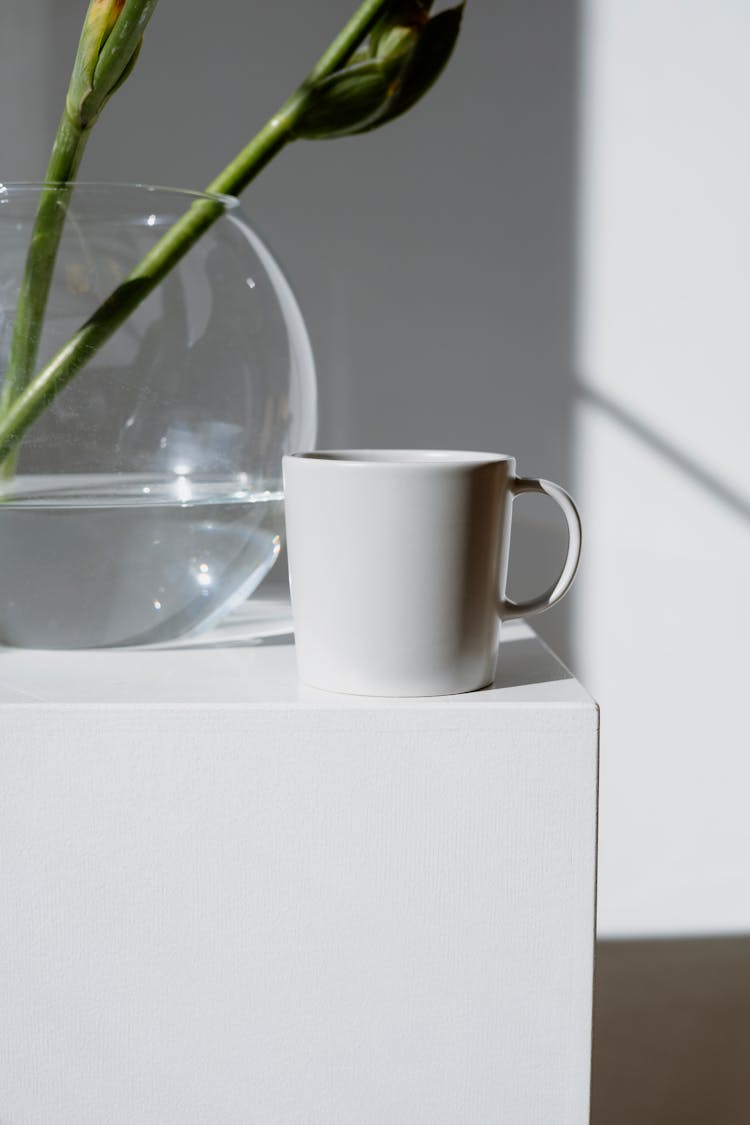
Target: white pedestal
(226,898)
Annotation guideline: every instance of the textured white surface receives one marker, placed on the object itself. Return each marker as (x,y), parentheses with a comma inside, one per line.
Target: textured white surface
(223,899)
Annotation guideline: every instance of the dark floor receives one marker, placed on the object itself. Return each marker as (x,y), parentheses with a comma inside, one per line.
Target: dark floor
(672,1032)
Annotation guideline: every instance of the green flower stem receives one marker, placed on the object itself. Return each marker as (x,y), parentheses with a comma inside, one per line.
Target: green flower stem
(70,142)
(103,61)
(20,413)
(65,158)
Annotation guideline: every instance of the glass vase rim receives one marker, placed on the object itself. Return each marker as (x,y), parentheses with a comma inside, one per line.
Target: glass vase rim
(12,187)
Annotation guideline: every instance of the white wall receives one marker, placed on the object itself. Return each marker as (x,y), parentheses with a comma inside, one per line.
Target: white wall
(546,257)
(661,611)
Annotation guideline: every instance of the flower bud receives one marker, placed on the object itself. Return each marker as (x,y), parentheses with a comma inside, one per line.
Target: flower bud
(107,50)
(407,52)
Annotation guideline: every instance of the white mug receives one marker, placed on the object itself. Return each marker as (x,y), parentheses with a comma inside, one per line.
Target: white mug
(398,562)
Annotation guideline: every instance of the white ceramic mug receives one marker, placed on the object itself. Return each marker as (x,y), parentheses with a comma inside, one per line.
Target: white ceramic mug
(398,561)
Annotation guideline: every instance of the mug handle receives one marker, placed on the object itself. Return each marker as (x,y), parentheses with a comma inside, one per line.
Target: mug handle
(509,609)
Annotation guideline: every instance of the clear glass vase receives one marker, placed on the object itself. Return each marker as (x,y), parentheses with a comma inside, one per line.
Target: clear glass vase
(146,500)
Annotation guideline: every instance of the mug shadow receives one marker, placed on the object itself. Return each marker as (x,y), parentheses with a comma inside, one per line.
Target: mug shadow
(527,660)
(672,1032)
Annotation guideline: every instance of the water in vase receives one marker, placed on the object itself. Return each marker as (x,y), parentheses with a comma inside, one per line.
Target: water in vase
(87,561)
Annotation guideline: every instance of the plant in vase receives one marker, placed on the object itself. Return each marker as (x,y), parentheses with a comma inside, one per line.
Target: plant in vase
(157,470)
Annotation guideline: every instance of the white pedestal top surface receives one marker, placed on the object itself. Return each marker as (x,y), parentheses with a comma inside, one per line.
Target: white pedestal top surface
(225,668)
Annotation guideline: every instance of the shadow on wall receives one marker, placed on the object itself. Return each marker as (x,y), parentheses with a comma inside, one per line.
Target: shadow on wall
(672,1032)
(692,468)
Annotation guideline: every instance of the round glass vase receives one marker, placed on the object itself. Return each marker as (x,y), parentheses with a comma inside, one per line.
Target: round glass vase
(145,501)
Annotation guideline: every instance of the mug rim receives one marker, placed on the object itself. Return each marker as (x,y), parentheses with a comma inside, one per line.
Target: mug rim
(425,458)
